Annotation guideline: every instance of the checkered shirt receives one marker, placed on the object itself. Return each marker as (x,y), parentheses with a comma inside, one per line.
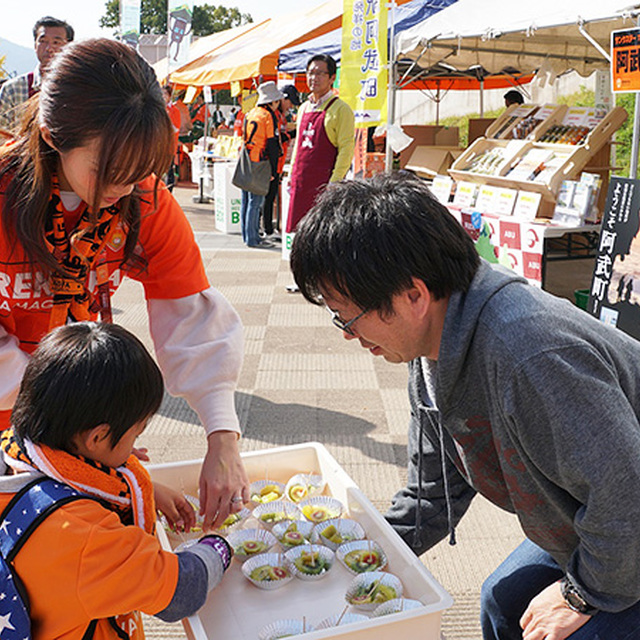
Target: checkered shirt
(13,93)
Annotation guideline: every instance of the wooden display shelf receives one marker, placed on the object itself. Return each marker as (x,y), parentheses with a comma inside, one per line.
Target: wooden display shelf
(578,157)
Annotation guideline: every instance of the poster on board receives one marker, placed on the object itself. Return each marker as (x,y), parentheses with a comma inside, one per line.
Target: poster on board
(615,286)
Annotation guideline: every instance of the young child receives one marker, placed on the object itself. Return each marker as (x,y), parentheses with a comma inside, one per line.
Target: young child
(86,395)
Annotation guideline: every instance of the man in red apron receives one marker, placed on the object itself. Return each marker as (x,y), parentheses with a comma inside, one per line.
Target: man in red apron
(324,141)
(49,36)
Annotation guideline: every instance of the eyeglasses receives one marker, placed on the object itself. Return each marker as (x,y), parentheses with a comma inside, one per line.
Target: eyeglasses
(310,74)
(341,324)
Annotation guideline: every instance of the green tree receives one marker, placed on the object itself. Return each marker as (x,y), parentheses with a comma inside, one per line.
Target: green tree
(207,19)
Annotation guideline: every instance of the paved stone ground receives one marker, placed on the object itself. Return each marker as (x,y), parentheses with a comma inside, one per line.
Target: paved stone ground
(301,381)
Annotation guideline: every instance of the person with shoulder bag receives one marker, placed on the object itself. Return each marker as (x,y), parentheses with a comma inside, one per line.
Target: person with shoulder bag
(261,143)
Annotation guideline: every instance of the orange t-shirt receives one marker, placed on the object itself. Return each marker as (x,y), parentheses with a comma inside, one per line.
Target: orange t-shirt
(82,564)
(174,267)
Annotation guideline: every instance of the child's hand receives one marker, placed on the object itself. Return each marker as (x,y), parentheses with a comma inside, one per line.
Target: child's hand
(175,508)
(141,453)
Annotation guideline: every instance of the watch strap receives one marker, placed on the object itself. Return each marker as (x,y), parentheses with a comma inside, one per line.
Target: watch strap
(574,599)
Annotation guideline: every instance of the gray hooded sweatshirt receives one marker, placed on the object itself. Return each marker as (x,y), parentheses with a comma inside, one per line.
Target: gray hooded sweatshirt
(535,405)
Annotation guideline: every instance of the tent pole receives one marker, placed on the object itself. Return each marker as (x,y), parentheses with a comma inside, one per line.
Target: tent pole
(391,98)
(482,97)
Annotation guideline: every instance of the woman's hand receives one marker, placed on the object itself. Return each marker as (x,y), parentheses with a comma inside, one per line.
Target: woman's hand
(175,508)
(224,486)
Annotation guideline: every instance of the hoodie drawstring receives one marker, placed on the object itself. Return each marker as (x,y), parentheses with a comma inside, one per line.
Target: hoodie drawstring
(445,480)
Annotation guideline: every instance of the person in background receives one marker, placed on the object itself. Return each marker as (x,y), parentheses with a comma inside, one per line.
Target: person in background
(82,206)
(324,141)
(94,562)
(286,133)
(231,117)
(515,394)
(261,138)
(49,36)
(174,116)
(513,97)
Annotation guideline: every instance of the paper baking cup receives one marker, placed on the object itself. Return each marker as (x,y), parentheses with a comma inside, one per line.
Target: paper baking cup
(396,605)
(323,552)
(182,536)
(281,510)
(272,560)
(234,521)
(348,530)
(366,580)
(258,487)
(303,527)
(303,486)
(347,618)
(237,538)
(361,545)
(321,508)
(283,629)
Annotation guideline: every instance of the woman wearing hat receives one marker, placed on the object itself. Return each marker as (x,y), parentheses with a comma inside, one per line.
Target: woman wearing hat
(287,132)
(261,139)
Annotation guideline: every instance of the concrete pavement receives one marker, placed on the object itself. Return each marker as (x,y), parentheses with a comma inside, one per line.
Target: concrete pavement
(302,381)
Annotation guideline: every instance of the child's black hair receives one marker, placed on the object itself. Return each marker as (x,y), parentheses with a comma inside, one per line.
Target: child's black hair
(83,375)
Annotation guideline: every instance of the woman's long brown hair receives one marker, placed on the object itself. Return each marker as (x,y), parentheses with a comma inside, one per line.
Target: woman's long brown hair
(95,89)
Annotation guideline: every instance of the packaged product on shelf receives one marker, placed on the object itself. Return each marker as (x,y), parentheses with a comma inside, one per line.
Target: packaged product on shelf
(531,164)
(489,162)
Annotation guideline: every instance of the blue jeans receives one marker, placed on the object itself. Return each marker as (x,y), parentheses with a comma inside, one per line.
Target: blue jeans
(250,218)
(507,592)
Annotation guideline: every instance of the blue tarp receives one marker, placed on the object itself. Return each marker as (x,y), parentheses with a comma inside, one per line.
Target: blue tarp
(294,59)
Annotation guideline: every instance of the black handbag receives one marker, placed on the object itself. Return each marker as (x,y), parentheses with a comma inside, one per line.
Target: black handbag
(254,177)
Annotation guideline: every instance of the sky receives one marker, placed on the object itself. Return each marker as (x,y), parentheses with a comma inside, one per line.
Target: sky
(84,15)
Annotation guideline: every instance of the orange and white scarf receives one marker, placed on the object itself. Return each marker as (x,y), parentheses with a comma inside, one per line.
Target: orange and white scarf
(127,490)
(76,256)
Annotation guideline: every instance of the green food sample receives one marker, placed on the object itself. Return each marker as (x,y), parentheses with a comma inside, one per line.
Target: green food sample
(311,563)
(268,573)
(374,593)
(362,560)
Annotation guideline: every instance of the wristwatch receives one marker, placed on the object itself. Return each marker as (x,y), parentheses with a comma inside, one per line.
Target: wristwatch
(574,600)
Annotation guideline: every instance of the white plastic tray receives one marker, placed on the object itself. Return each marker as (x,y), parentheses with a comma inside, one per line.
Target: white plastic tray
(237,610)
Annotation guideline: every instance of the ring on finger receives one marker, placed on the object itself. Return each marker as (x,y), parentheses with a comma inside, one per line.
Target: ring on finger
(236,499)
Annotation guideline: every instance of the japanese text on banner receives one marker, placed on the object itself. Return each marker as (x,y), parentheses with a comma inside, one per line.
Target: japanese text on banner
(625,60)
(130,22)
(363,73)
(180,16)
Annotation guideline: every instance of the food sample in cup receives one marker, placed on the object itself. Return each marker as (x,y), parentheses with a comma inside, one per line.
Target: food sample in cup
(296,533)
(250,542)
(337,531)
(234,520)
(310,562)
(362,556)
(268,570)
(263,491)
(304,485)
(368,590)
(321,508)
(271,513)
(284,629)
(396,606)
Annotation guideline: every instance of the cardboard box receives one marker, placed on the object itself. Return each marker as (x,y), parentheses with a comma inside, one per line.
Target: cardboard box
(428,135)
(430,161)
(237,610)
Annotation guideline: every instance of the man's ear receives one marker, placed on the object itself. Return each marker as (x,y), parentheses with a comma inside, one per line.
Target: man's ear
(418,296)
(46,136)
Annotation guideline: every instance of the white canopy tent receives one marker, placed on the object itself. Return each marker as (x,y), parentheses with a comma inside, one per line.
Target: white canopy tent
(546,35)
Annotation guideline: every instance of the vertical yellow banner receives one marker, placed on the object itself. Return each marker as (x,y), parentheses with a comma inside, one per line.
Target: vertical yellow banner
(363,68)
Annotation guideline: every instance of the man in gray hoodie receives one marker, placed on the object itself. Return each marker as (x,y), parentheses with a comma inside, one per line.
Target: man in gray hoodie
(515,394)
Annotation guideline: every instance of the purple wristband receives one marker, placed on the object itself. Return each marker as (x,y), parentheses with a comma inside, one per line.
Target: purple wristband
(221,546)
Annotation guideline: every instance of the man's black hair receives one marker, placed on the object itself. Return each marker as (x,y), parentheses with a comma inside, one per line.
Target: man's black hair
(367,240)
(332,66)
(513,97)
(81,376)
(49,21)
